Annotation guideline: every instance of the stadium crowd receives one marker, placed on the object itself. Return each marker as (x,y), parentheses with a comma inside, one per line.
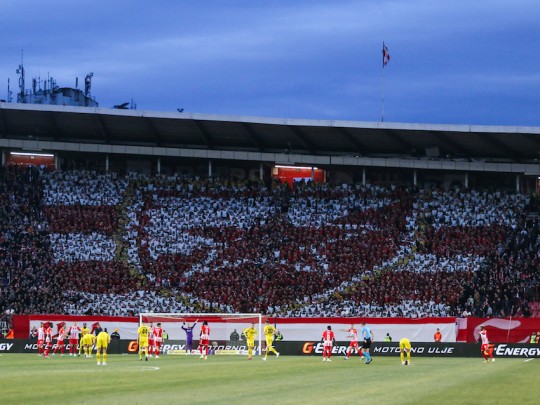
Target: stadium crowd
(28,280)
(83,242)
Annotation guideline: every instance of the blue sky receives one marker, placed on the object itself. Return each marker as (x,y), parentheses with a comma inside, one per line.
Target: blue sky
(452,62)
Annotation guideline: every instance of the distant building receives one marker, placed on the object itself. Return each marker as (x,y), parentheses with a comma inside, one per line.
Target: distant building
(48,92)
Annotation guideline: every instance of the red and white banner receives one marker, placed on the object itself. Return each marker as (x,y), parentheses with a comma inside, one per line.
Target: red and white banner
(127,326)
(416,330)
(500,330)
(507,330)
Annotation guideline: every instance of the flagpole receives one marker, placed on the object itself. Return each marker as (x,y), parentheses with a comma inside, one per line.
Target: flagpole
(508,334)
(382,85)
(385,60)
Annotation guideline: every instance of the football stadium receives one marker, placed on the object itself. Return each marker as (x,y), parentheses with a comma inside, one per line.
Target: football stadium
(183,257)
(115,219)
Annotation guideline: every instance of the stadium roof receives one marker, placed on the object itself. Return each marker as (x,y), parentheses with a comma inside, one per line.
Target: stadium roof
(277,135)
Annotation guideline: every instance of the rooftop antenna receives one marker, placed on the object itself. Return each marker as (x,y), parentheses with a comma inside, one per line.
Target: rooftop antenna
(88,84)
(9,92)
(20,71)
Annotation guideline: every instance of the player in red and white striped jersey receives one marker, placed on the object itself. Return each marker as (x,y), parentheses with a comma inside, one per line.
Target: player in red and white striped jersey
(60,339)
(151,340)
(41,339)
(353,335)
(328,340)
(204,340)
(486,348)
(158,339)
(74,332)
(48,338)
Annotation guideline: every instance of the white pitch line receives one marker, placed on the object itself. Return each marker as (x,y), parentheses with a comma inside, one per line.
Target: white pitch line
(148,368)
(525,361)
(139,368)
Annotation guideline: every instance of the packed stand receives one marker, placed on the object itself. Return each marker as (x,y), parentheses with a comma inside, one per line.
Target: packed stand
(450,236)
(116,245)
(29,278)
(294,253)
(510,279)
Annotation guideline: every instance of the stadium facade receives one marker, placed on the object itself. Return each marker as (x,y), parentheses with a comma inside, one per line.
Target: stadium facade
(68,137)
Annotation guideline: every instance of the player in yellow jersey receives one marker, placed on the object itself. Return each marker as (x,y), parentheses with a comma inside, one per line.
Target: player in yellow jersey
(143,332)
(250,334)
(87,342)
(102,341)
(269,332)
(405,346)
(84,331)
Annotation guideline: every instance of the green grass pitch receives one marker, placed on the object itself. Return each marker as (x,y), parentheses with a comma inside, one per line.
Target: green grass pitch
(30,379)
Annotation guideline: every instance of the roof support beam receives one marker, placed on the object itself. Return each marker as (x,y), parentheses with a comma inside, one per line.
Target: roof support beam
(405,146)
(505,150)
(533,138)
(358,146)
(448,143)
(300,136)
(3,126)
(155,133)
(54,123)
(104,132)
(253,136)
(204,134)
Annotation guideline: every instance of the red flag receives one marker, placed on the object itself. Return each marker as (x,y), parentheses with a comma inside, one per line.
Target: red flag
(385,55)
(94,326)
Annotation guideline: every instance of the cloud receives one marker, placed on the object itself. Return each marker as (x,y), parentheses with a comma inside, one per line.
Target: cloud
(312,59)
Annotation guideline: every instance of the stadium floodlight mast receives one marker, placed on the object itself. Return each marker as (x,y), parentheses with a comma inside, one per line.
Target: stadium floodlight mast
(221,325)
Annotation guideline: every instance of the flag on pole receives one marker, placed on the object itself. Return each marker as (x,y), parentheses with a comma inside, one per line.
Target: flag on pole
(385,55)
(95,325)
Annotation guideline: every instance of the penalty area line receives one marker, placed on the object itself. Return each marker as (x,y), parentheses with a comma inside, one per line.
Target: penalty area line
(147,368)
(137,368)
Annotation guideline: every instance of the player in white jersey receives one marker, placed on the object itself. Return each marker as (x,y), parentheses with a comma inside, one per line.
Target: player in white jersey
(74,332)
(486,348)
(48,338)
(151,340)
(60,339)
(353,335)
(158,339)
(41,339)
